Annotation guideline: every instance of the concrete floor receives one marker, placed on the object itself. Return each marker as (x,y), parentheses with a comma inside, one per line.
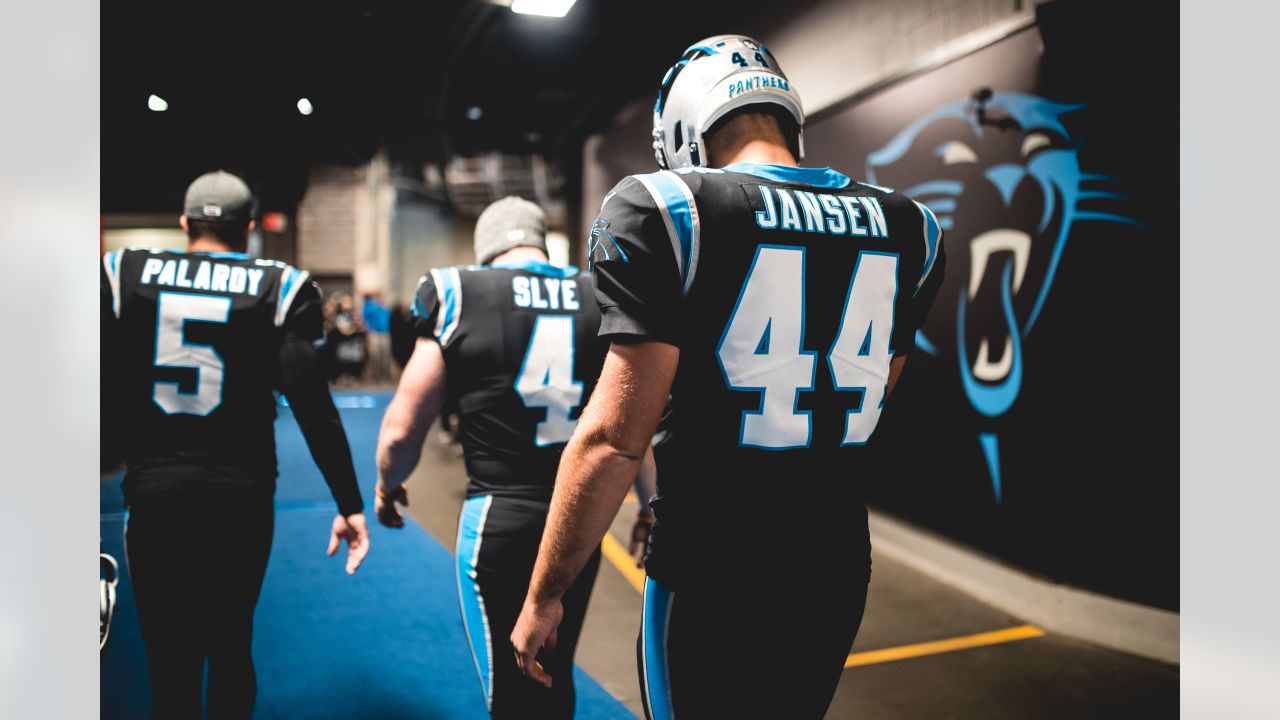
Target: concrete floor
(1041,677)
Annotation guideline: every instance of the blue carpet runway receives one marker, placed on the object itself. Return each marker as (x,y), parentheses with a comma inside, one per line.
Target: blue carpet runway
(387,643)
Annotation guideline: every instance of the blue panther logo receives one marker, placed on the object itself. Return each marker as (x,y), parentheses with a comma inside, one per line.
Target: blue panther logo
(602,246)
(1005,183)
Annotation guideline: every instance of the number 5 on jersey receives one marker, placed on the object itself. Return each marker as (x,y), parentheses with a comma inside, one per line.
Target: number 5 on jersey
(173,312)
(762,349)
(546,378)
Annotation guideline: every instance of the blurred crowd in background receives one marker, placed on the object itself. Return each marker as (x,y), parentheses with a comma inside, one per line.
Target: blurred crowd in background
(367,343)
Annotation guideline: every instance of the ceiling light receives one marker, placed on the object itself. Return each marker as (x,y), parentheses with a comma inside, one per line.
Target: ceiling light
(157,104)
(474,112)
(304,106)
(547,8)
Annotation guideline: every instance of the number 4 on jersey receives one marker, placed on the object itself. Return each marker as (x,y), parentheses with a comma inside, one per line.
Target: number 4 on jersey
(762,349)
(860,356)
(546,378)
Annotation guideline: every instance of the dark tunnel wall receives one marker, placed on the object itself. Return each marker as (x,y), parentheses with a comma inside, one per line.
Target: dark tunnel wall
(1037,419)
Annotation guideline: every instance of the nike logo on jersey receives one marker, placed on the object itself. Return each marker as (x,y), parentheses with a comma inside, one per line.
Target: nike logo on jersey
(207,275)
(545,293)
(821,213)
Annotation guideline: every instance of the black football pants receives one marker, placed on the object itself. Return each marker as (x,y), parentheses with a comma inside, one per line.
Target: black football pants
(756,648)
(497,545)
(196,562)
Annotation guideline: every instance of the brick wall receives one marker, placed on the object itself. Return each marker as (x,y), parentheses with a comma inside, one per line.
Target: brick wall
(332,218)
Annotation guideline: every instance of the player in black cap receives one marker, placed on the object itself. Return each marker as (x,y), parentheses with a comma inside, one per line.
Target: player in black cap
(193,345)
(512,345)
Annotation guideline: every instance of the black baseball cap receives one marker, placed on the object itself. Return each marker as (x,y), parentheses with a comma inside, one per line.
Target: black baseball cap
(218,197)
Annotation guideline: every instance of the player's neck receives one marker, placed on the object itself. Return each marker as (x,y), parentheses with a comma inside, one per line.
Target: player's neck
(207,245)
(758,151)
(519,255)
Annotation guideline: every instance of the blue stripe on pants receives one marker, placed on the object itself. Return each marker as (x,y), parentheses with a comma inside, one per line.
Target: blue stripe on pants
(470,533)
(653,638)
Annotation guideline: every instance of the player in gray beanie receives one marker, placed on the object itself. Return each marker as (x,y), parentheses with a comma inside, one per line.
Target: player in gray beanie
(508,223)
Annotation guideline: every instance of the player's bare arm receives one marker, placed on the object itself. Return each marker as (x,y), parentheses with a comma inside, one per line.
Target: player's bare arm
(414,408)
(598,466)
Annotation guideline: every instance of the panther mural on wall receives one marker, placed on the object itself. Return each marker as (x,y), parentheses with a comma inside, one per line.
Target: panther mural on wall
(1002,174)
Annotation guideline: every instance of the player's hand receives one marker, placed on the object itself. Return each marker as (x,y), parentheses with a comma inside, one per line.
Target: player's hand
(535,630)
(353,530)
(640,538)
(384,506)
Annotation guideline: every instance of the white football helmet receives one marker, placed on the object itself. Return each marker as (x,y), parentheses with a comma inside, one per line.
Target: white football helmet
(713,78)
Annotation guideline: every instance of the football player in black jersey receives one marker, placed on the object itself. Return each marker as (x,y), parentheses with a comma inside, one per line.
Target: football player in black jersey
(777,304)
(512,345)
(193,345)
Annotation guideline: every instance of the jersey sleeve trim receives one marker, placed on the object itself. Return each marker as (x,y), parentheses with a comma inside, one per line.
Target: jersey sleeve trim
(874,187)
(291,281)
(449,294)
(415,308)
(680,214)
(111,263)
(932,236)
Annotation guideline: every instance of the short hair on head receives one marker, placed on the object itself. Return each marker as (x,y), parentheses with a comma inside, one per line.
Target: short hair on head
(232,234)
(759,118)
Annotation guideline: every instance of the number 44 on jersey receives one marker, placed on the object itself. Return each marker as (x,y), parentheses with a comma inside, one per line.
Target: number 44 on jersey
(762,348)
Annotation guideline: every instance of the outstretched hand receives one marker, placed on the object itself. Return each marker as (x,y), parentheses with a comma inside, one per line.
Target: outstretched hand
(355,532)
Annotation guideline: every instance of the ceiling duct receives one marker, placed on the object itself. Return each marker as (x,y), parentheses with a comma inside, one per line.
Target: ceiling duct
(474,182)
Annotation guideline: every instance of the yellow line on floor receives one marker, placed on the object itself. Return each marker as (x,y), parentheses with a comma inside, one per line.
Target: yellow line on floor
(871,657)
(615,553)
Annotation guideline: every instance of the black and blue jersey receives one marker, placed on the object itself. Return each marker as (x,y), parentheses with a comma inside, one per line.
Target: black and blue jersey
(788,292)
(522,356)
(190,345)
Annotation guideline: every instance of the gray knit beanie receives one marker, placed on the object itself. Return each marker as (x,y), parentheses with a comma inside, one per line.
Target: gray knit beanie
(508,223)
